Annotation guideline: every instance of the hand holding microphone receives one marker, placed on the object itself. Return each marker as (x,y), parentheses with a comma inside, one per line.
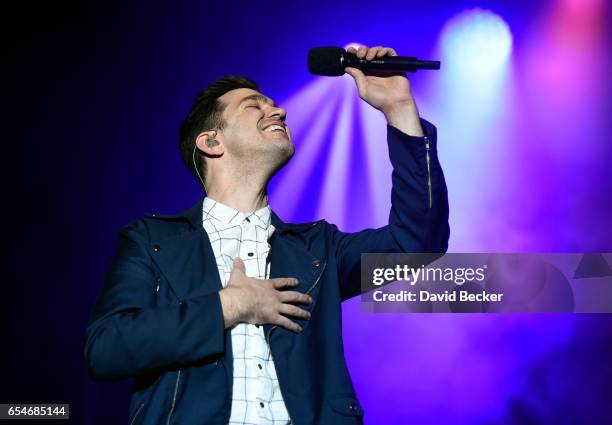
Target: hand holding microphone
(331,61)
(380,78)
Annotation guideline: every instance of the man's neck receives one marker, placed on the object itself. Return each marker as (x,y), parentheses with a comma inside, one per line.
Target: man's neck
(238,186)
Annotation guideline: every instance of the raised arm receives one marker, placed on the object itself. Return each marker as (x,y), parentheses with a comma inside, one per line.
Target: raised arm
(418,220)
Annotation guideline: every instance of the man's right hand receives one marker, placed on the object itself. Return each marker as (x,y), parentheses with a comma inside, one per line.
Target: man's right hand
(259,301)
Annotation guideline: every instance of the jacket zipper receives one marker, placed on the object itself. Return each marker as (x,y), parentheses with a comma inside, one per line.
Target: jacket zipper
(316,282)
(178,378)
(428,170)
(137,413)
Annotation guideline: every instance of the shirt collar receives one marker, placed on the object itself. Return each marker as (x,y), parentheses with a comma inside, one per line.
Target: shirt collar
(227,215)
(193,215)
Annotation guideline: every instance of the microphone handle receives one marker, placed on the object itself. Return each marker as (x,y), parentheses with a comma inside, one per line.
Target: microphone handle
(389,63)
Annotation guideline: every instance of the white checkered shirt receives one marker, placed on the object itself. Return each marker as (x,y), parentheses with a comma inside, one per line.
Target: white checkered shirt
(256,396)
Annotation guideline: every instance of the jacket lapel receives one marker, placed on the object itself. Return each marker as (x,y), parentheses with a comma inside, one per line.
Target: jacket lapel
(187,259)
(188,263)
(290,257)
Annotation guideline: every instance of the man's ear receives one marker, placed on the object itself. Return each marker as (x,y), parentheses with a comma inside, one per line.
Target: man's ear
(207,143)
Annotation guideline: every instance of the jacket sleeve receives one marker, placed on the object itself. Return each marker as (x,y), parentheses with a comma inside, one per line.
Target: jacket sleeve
(418,220)
(128,334)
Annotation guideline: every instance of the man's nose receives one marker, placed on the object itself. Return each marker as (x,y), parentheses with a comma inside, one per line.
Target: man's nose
(278,112)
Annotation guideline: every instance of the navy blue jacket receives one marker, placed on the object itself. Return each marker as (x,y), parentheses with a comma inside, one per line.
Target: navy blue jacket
(158,318)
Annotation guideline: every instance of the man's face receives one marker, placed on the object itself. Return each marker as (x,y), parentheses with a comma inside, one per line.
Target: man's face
(255,129)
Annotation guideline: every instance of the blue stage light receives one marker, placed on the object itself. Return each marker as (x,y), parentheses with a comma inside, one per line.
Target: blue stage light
(476,41)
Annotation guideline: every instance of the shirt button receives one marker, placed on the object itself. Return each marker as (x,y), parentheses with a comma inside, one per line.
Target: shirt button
(256,326)
(250,254)
(156,248)
(259,366)
(261,404)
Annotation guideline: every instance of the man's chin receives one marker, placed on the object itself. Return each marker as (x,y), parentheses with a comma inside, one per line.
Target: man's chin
(274,154)
(283,155)
(287,153)
(284,146)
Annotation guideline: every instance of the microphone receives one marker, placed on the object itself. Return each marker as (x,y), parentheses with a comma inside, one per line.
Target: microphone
(331,61)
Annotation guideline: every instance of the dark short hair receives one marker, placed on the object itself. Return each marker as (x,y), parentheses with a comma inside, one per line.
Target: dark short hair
(206,114)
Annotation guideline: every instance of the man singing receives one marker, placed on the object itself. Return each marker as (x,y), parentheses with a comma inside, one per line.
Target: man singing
(225,314)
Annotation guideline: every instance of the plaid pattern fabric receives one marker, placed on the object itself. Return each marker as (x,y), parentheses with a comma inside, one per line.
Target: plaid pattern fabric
(256,396)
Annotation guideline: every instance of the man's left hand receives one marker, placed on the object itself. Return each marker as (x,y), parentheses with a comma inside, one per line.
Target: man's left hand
(389,93)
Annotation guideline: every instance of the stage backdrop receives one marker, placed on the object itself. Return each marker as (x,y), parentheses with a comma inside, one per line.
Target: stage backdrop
(522,106)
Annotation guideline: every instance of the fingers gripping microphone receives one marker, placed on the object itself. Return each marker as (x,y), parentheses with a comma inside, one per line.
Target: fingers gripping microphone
(331,61)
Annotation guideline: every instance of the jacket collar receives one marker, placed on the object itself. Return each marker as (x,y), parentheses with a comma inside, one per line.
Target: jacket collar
(194,216)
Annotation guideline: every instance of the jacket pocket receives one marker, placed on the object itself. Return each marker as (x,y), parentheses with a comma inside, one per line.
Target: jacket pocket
(146,391)
(149,392)
(136,414)
(346,405)
(175,394)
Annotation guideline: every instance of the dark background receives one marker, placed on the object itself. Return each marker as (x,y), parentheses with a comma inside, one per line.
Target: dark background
(95,93)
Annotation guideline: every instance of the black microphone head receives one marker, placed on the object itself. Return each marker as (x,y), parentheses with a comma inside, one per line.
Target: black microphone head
(326,61)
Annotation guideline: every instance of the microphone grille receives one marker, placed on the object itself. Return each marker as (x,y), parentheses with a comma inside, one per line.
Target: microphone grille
(326,61)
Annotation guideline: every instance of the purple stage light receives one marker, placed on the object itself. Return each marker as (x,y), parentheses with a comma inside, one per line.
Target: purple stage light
(333,199)
(309,116)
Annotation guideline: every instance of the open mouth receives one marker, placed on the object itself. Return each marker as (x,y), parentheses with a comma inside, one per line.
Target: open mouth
(274,128)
